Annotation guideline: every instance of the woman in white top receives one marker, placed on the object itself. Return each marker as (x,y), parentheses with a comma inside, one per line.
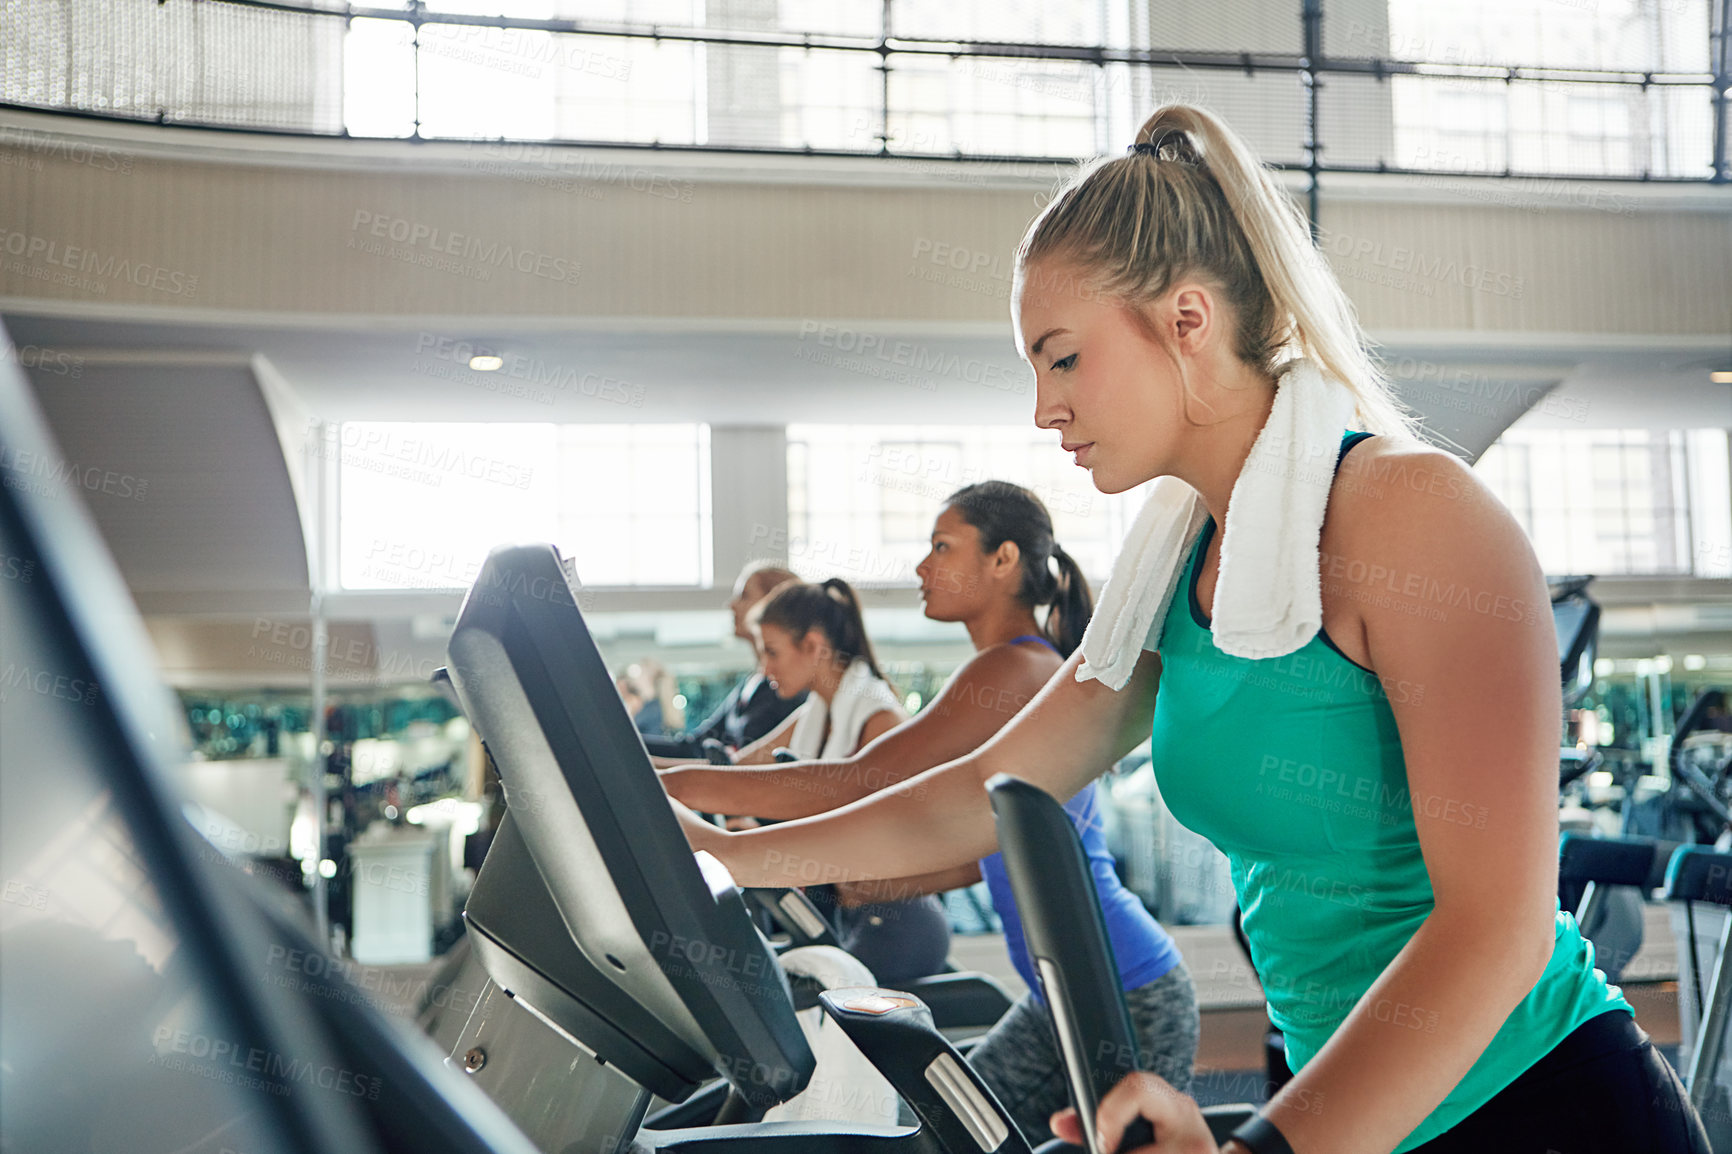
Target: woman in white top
(814,638)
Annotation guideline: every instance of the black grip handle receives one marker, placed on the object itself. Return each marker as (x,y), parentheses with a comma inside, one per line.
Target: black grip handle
(895,1032)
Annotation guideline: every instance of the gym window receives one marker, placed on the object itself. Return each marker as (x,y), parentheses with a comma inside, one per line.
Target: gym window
(861,499)
(1462,124)
(1619,501)
(420,504)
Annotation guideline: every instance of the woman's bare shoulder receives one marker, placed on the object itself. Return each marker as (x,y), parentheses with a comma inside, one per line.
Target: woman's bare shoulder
(1405,518)
(1390,486)
(1001,676)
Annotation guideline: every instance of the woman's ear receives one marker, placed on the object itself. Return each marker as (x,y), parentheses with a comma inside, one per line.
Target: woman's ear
(1191,313)
(1007,558)
(814,645)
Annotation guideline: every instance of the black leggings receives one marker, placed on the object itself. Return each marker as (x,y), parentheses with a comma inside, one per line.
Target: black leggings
(1604,1089)
(898,941)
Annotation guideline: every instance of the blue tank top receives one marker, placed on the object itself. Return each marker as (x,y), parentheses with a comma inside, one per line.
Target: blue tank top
(1142,949)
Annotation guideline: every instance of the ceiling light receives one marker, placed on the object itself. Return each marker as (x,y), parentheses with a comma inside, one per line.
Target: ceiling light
(1721,376)
(1695,661)
(486,363)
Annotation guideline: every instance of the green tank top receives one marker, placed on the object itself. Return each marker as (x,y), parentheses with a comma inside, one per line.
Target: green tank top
(1293,767)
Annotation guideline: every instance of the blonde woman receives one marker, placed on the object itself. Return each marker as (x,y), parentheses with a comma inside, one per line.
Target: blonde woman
(1433,996)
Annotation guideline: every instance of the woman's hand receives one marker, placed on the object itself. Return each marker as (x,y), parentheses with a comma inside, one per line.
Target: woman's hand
(1177,1120)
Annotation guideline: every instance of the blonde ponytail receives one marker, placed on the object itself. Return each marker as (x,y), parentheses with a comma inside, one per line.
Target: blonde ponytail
(1191,198)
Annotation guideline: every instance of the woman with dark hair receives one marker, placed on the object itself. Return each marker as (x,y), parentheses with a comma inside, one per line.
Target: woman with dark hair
(993,566)
(752,708)
(813,638)
(813,641)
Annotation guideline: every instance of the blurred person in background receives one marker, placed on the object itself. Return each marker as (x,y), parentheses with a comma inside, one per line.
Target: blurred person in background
(752,708)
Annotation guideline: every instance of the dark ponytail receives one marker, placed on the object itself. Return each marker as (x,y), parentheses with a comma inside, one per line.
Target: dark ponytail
(832,608)
(1072,603)
(1000,512)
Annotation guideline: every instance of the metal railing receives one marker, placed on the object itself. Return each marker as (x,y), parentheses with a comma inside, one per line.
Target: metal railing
(1315,104)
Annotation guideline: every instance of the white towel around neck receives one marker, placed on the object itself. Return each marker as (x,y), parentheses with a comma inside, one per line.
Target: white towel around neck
(859,695)
(1268,596)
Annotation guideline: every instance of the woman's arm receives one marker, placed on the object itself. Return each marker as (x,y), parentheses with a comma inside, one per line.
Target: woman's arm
(761,751)
(877,726)
(1456,620)
(990,689)
(1071,734)
(901,889)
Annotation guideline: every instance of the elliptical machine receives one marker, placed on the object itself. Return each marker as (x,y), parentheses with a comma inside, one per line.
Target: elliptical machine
(1606,881)
(1601,880)
(622,965)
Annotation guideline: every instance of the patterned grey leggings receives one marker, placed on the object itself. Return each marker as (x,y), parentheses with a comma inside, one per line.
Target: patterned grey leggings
(1019,1058)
